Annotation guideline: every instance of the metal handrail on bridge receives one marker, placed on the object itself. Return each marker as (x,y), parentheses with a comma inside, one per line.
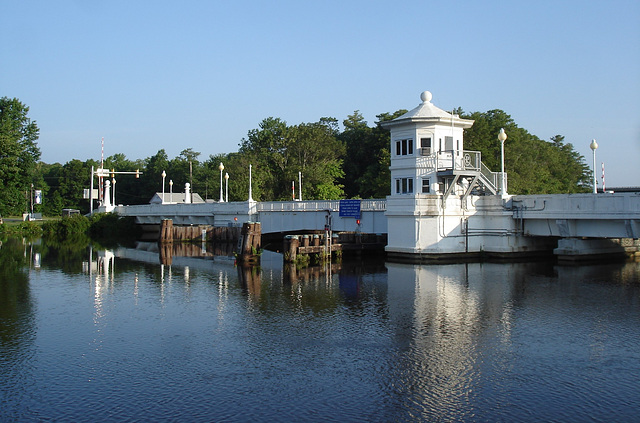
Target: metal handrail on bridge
(317,205)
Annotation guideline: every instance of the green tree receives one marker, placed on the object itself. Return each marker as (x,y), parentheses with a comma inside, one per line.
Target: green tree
(185,168)
(19,154)
(53,202)
(278,153)
(74,179)
(237,166)
(316,154)
(533,166)
(151,179)
(368,156)
(268,145)
(128,188)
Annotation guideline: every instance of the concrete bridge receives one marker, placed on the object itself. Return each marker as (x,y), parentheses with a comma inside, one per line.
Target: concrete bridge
(607,215)
(577,225)
(275,216)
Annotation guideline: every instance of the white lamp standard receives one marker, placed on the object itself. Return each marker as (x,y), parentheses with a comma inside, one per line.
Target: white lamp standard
(113,191)
(250,197)
(221,167)
(502,136)
(171,190)
(164,175)
(226,187)
(594,147)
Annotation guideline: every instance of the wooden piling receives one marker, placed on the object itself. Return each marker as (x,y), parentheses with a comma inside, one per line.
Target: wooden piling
(166,231)
(291,244)
(249,243)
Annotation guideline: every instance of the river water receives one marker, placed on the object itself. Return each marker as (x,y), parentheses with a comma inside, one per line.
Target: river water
(97,335)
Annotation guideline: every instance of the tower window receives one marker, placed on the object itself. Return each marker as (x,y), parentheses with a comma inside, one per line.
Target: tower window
(425,146)
(404,186)
(404,147)
(426,186)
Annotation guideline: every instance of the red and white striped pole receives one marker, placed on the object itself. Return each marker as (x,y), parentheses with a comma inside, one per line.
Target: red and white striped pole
(603,187)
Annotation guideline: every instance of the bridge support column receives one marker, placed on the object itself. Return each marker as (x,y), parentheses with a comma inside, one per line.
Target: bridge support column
(576,249)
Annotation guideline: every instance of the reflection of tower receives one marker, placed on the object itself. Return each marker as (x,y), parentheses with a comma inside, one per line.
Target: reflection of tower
(451,319)
(104,277)
(106,264)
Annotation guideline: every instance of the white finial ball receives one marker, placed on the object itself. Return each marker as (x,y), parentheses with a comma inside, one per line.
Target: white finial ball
(426,96)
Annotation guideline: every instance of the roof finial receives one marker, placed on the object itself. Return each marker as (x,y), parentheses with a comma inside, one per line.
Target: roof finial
(426,96)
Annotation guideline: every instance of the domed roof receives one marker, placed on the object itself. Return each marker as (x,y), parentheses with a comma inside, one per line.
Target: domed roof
(428,112)
(425,109)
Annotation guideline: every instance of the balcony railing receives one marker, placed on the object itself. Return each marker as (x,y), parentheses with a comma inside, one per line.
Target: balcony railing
(467,161)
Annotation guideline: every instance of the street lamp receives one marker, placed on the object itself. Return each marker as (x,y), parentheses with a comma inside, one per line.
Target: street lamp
(171,191)
(594,147)
(113,190)
(502,136)
(164,175)
(250,197)
(221,167)
(226,182)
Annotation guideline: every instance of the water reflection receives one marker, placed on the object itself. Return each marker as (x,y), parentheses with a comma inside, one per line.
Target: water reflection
(16,302)
(198,338)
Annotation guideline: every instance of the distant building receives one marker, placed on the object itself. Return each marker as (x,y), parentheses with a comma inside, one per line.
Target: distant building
(173,198)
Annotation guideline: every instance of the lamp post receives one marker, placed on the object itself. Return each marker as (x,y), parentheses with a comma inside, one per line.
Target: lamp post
(164,175)
(226,187)
(250,197)
(171,191)
(594,147)
(502,136)
(221,167)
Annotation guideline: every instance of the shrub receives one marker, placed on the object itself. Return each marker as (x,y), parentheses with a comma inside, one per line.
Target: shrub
(66,227)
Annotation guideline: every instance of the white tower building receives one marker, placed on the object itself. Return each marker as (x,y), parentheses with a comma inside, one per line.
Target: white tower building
(428,156)
(443,199)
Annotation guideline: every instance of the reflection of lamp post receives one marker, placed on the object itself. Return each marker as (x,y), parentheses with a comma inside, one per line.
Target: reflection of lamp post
(171,191)
(502,136)
(594,147)
(221,167)
(164,175)
(226,187)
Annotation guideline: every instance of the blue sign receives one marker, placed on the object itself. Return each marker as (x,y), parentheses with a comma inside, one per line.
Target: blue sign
(350,208)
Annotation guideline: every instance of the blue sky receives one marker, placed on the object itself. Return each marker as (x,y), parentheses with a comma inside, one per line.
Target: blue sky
(151,75)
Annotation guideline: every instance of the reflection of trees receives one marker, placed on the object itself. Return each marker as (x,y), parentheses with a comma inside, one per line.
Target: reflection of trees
(16,308)
(67,254)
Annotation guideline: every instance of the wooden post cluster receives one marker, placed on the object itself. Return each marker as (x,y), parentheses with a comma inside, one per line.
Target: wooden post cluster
(218,234)
(325,244)
(166,231)
(249,243)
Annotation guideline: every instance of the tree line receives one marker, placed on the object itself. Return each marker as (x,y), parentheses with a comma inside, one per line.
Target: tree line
(335,162)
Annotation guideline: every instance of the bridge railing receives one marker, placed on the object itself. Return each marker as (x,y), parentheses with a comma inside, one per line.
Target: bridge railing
(451,160)
(317,205)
